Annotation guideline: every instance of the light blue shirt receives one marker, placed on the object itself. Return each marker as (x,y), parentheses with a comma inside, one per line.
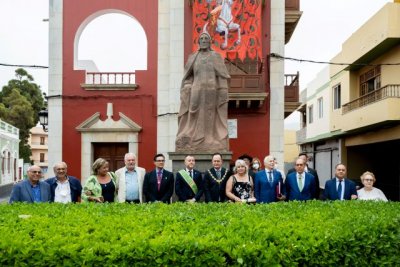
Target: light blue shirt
(132,185)
(36,193)
(301,179)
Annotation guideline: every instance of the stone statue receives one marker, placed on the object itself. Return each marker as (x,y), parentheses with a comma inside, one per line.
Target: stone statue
(202,118)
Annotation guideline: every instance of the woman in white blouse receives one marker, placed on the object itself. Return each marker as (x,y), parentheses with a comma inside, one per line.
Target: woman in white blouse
(368,192)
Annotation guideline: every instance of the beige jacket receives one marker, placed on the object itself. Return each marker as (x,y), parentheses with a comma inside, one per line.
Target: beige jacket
(122,183)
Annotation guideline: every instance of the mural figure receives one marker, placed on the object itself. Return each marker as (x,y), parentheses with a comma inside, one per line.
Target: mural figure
(225,22)
(222,19)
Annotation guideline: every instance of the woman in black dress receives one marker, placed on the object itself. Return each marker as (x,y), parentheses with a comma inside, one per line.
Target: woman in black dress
(239,187)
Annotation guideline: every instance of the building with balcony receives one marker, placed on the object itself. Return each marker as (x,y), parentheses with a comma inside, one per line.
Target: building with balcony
(106,114)
(10,171)
(38,141)
(352,113)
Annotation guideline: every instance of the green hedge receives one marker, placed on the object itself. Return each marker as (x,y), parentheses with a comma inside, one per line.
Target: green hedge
(351,233)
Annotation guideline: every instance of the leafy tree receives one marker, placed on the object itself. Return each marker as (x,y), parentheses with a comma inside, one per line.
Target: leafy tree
(20,102)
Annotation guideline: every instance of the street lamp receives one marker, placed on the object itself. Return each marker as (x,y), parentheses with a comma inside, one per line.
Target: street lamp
(44,118)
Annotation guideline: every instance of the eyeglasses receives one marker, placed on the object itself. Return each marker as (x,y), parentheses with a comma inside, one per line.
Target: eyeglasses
(36,172)
(368,180)
(299,164)
(160,160)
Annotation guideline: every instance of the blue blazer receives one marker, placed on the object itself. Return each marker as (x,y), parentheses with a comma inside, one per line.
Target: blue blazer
(22,192)
(330,192)
(264,192)
(74,185)
(183,190)
(292,188)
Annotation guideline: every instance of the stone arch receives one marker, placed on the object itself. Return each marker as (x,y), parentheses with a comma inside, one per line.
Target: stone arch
(139,61)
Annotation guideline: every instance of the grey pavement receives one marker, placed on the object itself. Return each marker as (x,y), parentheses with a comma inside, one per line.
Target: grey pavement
(5,191)
(4,200)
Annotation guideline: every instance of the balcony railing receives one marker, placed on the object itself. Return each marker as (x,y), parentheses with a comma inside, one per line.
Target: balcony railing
(292,5)
(246,83)
(110,81)
(8,128)
(246,91)
(292,17)
(388,91)
(39,144)
(110,78)
(292,87)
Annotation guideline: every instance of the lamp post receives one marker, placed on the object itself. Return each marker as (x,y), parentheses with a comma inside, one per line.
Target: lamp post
(44,118)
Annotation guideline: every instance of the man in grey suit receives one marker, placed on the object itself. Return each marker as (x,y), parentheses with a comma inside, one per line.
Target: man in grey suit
(31,190)
(130,181)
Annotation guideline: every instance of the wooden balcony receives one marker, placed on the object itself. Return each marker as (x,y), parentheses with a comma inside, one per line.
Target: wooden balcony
(292,17)
(246,91)
(291,93)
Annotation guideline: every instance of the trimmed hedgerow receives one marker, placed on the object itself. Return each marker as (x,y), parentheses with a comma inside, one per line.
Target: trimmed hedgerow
(347,233)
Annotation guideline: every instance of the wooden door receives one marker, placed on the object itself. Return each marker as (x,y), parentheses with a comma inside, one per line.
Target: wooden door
(112,152)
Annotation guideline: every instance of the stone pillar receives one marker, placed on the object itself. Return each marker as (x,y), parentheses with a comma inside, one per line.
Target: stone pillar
(203,160)
(203,163)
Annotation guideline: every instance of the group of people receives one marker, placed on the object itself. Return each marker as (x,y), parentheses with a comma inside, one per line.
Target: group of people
(247,183)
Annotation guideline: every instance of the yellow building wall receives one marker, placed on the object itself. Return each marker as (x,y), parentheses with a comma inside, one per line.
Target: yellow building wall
(291,148)
(383,26)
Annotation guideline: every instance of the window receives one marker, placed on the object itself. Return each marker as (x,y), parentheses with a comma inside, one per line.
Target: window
(3,159)
(320,108)
(370,81)
(336,97)
(42,140)
(41,157)
(310,114)
(15,169)
(9,162)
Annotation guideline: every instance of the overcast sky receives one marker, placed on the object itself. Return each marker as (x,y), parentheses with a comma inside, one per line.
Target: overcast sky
(24,38)
(323,27)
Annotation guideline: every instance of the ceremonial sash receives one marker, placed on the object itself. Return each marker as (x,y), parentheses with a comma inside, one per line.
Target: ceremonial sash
(189,180)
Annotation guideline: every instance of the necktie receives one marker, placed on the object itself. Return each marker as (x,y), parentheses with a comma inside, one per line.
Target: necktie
(159,177)
(339,190)
(218,174)
(300,183)
(191,173)
(270,177)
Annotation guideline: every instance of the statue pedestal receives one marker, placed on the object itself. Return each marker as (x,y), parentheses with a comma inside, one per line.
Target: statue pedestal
(203,163)
(203,160)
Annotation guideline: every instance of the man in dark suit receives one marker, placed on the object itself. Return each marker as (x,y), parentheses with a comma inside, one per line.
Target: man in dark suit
(158,184)
(304,156)
(215,180)
(339,187)
(31,190)
(268,185)
(64,188)
(300,185)
(189,182)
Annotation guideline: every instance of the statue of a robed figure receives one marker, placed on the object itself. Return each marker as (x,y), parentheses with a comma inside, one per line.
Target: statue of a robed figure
(203,114)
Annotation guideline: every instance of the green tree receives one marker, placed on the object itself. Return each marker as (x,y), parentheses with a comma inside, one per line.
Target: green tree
(20,102)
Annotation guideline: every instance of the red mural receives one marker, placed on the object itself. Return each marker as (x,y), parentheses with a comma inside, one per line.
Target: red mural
(234,26)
